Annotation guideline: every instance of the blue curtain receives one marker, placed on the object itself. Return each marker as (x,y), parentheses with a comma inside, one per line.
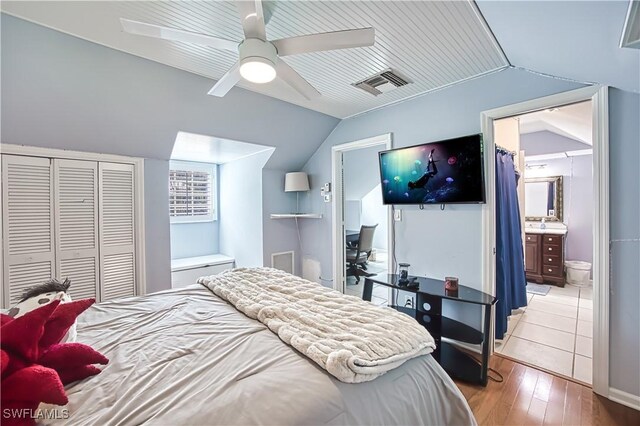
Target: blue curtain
(510,276)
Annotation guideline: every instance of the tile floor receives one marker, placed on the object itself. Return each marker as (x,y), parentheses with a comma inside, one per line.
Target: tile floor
(553,332)
(380,294)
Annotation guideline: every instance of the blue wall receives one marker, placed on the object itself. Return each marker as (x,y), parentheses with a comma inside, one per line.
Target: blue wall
(279,234)
(624,214)
(436,243)
(194,239)
(439,243)
(59,91)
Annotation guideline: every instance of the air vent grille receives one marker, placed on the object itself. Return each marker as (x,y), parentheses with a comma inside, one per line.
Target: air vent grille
(382,82)
(395,79)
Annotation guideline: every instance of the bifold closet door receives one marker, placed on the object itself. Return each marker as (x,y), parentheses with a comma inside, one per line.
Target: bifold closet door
(117,230)
(76,225)
(27,224)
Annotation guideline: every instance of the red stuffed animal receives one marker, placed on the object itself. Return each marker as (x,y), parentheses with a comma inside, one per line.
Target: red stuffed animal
(35,366)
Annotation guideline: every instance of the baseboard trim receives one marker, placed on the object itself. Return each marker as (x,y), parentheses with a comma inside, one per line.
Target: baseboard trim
(625,398)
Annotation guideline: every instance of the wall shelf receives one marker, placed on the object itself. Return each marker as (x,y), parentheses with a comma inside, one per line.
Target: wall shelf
(296,215)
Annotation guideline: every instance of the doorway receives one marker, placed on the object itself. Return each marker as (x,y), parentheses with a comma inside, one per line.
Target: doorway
(553,155)
(357,207)
(598,98)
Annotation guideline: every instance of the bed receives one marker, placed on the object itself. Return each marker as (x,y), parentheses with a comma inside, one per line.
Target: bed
(186,356)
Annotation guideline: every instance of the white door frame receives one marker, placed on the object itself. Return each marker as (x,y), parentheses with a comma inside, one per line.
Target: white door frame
(599,96)
(337,223)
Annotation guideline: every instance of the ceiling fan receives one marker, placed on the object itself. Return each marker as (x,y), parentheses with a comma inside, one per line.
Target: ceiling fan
(260,59)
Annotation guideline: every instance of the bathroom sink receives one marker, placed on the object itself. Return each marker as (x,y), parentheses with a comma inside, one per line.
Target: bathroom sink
(556,231)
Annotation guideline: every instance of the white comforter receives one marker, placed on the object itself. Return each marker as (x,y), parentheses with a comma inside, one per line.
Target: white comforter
(353,340)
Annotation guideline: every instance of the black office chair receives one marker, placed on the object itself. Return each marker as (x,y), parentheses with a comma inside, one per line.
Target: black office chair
(357,256)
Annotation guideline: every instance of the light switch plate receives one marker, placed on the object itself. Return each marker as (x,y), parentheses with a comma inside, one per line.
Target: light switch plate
(327,198)
(397,215)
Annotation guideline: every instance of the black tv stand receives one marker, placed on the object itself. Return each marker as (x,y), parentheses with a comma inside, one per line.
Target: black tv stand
(430,291)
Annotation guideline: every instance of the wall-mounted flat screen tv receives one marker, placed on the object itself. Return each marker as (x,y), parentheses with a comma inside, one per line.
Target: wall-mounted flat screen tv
(448,171)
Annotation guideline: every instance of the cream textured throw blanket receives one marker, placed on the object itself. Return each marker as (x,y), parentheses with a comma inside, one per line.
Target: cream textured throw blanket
(354,340)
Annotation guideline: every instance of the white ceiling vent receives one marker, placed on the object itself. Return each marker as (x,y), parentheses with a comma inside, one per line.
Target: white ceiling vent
(382,82)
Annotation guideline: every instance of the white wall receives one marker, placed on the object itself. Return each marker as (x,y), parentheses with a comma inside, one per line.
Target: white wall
(361,171)
(373,211)
(363,195)
(577,173)
(240,214)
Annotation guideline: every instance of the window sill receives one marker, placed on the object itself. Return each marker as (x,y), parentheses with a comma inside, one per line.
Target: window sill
(200,262)
(178,222)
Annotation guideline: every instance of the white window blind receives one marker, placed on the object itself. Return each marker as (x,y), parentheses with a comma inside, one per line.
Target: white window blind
(192,192)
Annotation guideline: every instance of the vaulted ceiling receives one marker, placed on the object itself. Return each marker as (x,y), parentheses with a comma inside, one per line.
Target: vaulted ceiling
(571,121)
(433,44)
(577,40)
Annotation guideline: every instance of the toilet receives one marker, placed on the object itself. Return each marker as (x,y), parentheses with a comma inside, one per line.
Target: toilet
(578,273)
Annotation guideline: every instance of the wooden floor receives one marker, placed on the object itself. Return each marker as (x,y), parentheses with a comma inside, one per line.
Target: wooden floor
(532,397)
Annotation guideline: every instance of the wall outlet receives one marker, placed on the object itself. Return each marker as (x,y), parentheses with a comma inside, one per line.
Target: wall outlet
(397,215)
(409,302)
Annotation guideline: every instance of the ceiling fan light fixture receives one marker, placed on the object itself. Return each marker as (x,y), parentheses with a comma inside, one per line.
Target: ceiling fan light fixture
(257,70)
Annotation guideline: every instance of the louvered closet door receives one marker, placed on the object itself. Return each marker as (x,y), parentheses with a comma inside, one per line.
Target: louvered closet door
(76,225)
(27,224)
(117,231)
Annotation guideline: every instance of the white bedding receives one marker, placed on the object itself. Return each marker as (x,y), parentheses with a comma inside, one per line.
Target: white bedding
(353,340)
(187,357)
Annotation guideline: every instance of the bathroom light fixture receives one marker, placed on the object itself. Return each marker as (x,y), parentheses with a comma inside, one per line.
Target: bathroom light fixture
(534,166)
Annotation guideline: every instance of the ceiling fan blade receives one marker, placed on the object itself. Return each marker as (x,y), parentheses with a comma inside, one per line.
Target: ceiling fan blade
(165,33)
(325,41)
(295,80)
(227,81)
(252,18)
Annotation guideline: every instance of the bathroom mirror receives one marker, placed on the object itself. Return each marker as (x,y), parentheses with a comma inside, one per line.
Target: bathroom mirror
(543,199)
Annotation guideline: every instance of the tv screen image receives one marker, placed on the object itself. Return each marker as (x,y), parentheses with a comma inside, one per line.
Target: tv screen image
(449,171)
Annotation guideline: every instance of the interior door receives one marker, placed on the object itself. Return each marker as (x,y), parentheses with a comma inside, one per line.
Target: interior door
(27,224)
(117,230)
(76,225)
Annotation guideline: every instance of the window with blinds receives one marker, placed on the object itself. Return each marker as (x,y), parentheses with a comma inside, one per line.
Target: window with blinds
(192,192)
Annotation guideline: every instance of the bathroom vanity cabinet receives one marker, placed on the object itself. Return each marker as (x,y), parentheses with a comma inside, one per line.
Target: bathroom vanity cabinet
(544,258)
